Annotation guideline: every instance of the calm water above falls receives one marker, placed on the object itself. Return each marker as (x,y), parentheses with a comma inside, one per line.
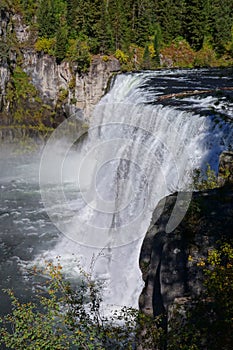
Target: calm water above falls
(137,151)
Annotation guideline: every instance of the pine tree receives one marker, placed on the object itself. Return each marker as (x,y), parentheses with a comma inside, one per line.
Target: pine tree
(108,25)
(170,15)
(71,16)
(118,23)
(104,30)
(46,19)
(146,58)
(61,41)
(221,23)
(195,23)
(157,43)
(144,22)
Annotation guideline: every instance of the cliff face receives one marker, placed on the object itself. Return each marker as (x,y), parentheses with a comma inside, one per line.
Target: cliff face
(169,261)
(55,90)
(83,91)
(4,55)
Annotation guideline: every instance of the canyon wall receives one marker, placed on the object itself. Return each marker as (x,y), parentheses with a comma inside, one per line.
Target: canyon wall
(55,90)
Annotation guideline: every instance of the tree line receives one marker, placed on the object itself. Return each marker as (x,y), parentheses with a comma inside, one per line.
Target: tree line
(81,27)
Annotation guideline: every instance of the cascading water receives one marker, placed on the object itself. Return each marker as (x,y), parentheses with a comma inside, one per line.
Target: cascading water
(137,152)
(101,189)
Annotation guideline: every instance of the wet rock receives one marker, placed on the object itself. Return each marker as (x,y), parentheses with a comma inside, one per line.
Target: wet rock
(169,261)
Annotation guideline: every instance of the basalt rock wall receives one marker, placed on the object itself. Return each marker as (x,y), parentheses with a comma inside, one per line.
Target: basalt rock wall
(169,261)
(60,89)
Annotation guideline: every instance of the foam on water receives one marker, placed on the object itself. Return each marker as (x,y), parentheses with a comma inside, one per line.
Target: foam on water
(135,154)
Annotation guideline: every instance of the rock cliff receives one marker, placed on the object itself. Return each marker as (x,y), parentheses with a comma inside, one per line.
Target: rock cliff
(169,261)
(54,90)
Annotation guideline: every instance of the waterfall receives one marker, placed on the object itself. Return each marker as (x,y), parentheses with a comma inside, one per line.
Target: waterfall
(137,152)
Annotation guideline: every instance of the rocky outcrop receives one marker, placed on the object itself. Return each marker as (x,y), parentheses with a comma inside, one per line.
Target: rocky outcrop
(169,261)
(4,55)
(22,31)
(59,87)
(90,87)
(83,91)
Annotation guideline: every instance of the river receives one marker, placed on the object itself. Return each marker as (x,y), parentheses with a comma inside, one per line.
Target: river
(90,199)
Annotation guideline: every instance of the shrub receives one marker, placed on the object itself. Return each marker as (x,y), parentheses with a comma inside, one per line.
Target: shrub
(105,58)
(121,56)
(206,323)
(204,180)
(206,56)
(78,53)
(179,53)
(47,45)
(66,318)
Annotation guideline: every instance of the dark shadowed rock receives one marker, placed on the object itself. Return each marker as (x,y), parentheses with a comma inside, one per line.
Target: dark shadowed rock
(225,172)
(169,261)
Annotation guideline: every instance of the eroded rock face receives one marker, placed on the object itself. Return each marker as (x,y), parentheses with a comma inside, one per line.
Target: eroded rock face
(4,78)
(48,77)
(21,30)
(4,54)
(58,85)
(91,87)
(85,90)
(169,261)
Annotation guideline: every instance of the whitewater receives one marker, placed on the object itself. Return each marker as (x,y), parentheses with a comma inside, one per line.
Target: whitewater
(100,186)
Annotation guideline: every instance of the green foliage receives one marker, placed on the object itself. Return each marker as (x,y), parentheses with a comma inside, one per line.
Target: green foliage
(66,318)
(221,24)
(121,56)
(4,5)
(171,17)
(70,318)
(113,25)
(104,30)
(28,8)
(47,45)
(157,43)
(206,323)
(20,81)
(78,52)
(4,50)
(63,94)
(46,19)
(204,180)
(61,41)
(195,23)
(27,110)
(206,56)
(219,283)
(146,58)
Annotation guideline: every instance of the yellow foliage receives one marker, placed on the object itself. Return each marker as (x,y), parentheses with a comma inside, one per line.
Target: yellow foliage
(121,56)
(201,263)
(46,45)
(105,58)
(151,50)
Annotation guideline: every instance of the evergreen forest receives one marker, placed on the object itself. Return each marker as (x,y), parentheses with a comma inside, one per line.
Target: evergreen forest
(138,32)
